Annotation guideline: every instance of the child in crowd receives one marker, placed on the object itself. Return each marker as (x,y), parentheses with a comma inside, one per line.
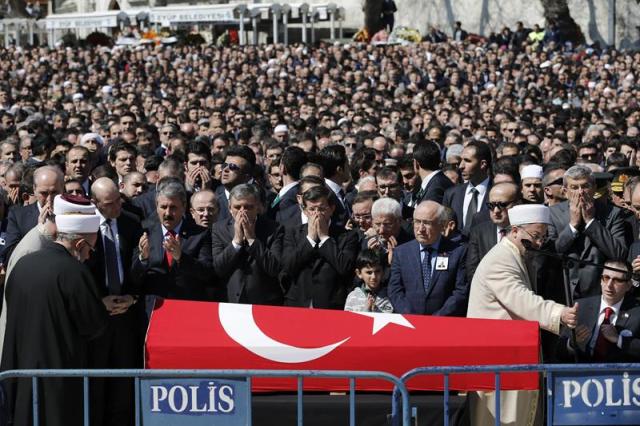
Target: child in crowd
(369,297)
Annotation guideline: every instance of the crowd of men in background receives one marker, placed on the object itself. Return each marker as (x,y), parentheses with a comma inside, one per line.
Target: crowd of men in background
(302,175)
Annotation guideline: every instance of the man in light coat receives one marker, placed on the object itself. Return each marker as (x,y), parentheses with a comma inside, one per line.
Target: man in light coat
(501,289)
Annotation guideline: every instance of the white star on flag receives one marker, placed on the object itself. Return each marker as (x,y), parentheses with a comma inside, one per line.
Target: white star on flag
(380,320)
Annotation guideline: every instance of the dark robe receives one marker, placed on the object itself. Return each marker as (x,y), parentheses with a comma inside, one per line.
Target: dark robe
(53,311)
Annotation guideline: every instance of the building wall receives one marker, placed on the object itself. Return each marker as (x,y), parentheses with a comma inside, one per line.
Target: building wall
(477,16)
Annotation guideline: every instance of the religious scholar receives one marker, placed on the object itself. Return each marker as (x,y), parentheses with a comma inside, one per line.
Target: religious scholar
(501,289)
(53,310)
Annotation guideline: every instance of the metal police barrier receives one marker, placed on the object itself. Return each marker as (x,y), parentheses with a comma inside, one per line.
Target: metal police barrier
(577,394)
(198,392)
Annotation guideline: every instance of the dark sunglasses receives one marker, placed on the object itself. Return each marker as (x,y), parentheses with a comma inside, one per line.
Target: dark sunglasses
(499,204)
(231,166)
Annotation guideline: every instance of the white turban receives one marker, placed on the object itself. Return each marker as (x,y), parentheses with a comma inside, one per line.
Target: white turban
(88,136)
(529,213)
(75,215)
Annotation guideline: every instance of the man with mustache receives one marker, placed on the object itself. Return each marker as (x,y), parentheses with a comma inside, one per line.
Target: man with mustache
(173,257)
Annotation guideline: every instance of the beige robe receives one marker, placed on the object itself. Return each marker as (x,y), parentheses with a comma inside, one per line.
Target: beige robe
(501,289)
(33,241)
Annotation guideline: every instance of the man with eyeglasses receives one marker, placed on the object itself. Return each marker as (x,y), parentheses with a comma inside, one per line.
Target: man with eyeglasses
(589,153)
(587,229)
(319,256)
(428,273)
(552,184)
(609,324)
(389,230)
(237,168)
(501,289)
(487,234)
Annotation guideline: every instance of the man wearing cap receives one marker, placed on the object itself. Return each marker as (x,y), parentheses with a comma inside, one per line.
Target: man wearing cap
(608,327)
(531,178)
(501,289)
(53,312)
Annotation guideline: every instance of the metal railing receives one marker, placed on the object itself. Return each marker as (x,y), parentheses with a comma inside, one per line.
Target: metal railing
(400,391)
(548,369)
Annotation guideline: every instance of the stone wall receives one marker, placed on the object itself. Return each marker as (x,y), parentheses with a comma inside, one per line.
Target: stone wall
(484,16)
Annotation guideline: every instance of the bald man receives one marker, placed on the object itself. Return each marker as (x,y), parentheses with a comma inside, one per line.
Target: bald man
(204,208)
(121,345)
(485,235)
(48,181)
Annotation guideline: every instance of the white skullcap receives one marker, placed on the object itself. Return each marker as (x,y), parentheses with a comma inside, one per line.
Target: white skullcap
(66,83)
(88,136)
(281,128)
(529,213)
(78,96)
(75,215)
(107,89)
(532,171)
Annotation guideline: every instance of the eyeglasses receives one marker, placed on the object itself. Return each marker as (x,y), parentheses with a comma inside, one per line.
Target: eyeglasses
(362,216)
(499,204)
(231,166)
(539,238)
(427,223)
(606,278)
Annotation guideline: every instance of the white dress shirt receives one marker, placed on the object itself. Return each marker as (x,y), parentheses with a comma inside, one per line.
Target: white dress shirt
(482,188)
(116,240)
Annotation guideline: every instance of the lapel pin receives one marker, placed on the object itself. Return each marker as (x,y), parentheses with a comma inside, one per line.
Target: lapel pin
(626,315)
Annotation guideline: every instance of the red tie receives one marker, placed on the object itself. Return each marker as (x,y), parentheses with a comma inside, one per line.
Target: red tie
(602,345)
(167,255)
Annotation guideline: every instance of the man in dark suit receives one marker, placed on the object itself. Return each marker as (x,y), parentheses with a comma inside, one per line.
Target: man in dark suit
(173,257)
(609,324)
(291,162)
(428,274)
(120,346)
(237,168)
(293,216)
(48,181)
(469,198)
(484,236)
(336,170)
(319,256)
(170,167)
(246,251)
(426,161)
(587,229)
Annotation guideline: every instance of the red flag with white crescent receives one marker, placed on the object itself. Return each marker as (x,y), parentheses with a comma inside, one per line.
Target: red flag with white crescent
(199,335)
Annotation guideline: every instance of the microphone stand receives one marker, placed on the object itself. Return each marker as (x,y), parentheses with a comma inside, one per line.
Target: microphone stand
(567,263)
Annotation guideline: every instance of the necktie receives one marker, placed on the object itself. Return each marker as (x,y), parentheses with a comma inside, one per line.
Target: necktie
(426,269)
(602,346)
(343,200)
(472,209)
(111,259)
(275,201)
(167,255)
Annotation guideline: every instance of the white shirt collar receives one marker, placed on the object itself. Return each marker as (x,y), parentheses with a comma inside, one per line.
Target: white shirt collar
(481,187)
(427,179)
(286,188)
(616,309)
(176,229)
(333,186)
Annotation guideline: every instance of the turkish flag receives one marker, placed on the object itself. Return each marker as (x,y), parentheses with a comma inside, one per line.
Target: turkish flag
(199,335)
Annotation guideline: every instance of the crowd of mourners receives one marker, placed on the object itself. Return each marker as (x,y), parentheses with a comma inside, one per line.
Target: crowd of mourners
(336,176)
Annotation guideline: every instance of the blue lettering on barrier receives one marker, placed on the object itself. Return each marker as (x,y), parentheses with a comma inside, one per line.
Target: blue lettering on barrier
(194,402)
(596,398)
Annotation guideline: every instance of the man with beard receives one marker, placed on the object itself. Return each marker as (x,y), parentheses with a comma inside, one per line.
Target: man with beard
(53,311)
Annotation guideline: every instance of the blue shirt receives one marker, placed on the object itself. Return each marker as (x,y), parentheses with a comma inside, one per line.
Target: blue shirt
(434,253)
